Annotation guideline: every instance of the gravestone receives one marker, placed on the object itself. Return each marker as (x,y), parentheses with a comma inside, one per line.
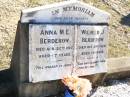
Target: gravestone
(54,41)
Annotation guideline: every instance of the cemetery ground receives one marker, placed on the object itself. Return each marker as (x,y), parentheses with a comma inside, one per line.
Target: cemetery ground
(110,88)
(119,40)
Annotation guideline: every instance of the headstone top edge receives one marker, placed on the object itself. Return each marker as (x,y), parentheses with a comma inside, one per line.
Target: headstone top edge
(58,4)
(49,14)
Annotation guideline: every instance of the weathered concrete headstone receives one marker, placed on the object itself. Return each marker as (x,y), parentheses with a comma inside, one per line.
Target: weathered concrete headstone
(61,50)
(91,49)
(53,41)
(50,51)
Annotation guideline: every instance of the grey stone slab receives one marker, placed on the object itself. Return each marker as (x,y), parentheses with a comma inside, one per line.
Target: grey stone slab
(41,89)
(118,64)
(19,63)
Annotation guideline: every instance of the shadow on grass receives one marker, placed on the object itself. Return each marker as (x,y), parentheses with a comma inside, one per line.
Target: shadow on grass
(5,75)
(7,81)
(125,20)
